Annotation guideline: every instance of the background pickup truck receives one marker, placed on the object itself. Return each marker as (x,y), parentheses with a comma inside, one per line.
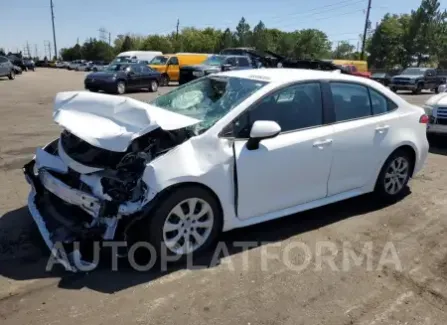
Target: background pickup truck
(354,71)
(416,79)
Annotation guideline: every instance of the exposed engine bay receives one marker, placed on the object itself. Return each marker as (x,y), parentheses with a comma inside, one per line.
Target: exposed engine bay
(122,170)
(75,205)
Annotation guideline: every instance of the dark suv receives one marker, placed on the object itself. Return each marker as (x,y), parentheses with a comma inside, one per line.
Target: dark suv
(214,64)
(6,68)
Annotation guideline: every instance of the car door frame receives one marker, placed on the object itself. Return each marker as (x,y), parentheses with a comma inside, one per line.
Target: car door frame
(135,78)
(227,132)
(377,119)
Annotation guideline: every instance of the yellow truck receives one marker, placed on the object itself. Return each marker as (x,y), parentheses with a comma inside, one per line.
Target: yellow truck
(169,64)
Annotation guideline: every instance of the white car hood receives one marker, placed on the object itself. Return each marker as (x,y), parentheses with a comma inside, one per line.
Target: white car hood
(112,122)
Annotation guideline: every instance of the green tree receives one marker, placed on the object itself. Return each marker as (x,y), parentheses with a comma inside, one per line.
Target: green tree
(260,37)
(343,50)
(157,42)
(2,52)
(127,44)
(226,39)
(311,43)
(243,33)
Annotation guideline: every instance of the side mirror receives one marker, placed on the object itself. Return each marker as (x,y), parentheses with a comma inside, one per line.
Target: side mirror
(262,130)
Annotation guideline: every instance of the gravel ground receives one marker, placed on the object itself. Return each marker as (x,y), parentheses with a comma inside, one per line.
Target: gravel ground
(245,287)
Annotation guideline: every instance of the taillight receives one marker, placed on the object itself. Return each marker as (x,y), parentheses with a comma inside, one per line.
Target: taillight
(424,119)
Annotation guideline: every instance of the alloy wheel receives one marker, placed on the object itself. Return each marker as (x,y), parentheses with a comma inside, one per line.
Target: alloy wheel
(188,226)
(396,175)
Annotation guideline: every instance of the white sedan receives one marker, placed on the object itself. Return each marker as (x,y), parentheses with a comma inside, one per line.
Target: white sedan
(225,151)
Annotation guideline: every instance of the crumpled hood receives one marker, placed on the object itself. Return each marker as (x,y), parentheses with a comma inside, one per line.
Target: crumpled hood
(112,122)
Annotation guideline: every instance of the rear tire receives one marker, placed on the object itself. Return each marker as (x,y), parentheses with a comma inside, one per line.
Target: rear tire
(12,75)
(395,174)
(164,80)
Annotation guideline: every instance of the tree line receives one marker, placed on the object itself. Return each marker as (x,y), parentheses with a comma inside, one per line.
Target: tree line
(397,41)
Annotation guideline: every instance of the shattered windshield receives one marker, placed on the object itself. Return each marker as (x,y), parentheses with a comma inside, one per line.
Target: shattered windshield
(208,99)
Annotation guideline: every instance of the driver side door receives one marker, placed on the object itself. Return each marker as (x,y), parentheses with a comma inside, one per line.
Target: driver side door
(292,168)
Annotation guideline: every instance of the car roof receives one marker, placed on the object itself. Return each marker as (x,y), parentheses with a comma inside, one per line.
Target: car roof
(286,75)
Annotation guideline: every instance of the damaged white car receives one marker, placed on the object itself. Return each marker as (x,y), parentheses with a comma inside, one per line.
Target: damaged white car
(224,151)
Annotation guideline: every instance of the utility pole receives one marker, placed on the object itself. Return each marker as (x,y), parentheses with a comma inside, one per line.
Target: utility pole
(36,54)
(54,30)
(110,39)
(365,31)
(177,29)
(47,45)
(28,51)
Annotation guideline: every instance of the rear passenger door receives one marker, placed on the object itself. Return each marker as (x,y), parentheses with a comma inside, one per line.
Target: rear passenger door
(365,121)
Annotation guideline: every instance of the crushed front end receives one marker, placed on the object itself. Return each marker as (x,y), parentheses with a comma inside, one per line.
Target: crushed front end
(84,194)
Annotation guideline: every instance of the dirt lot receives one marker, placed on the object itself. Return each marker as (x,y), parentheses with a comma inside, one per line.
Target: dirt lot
(245,288)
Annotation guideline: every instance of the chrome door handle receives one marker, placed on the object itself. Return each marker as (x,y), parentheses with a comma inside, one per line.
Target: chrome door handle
(322,143)
(380,129)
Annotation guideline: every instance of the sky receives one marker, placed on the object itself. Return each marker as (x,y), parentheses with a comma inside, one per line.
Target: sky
(29,21)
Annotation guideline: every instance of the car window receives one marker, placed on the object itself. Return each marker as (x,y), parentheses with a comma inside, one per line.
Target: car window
(231,61)
(243,62)
(380,104)
(146,69)
(351,101)
(293,108)
(173,60)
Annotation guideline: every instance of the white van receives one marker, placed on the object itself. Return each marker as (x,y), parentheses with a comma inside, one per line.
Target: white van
(136,56)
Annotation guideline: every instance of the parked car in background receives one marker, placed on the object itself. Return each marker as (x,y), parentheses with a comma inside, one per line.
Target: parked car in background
(30,65)
(74,64)
(62,64)
(214,64)
(352,69)
(296,139)
(416,79)
(99,65)
(17,70)
(6,68)
(18,62)
(133,56)
(169,64)
(436,109)
(121,77)
(383,77)
(84,66)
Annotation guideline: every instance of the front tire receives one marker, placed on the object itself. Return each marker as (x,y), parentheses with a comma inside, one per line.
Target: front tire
(12,75)
(418,89)
(394,89)
(153,87)
(395,174)
(120,87)
(187,222)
